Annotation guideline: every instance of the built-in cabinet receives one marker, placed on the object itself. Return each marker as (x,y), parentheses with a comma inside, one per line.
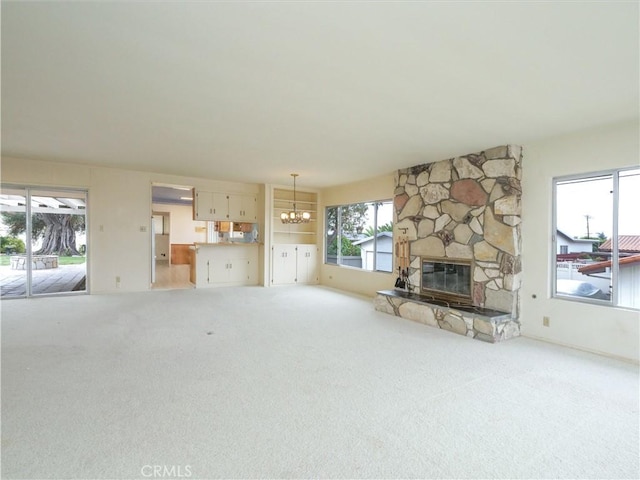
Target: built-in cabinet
(294,264)
(217,206)
(294,233)
(294,246)
(222,265)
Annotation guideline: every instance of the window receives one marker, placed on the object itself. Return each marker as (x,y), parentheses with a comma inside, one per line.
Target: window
(364,232)
(596,212)
(564,249)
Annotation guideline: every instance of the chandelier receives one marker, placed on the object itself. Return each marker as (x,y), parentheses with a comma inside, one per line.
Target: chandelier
(294,216)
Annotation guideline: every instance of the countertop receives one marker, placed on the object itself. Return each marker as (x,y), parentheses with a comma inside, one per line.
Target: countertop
(224,244)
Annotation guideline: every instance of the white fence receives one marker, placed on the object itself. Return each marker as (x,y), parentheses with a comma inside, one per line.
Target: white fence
(569,271)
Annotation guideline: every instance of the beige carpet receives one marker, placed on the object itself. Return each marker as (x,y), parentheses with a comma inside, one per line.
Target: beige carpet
(296,382)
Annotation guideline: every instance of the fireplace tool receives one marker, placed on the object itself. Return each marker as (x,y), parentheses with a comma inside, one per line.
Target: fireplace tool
(399,281)
(405,277)
(403,263)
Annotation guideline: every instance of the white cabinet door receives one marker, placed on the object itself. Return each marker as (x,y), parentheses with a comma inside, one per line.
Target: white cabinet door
(307,264)
(210,206)
(218,269)
(250,208)
(283,264)
(224,207)
(220,206)
(232,265)
(243,267)
(242,208)
(203,205)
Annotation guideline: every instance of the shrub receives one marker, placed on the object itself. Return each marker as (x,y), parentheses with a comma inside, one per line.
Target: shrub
(12,245)
(347,248)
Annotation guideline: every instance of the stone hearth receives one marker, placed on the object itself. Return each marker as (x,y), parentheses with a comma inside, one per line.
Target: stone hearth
(475,322)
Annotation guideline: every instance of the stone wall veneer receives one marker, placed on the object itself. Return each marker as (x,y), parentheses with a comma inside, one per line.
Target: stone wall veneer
(467,207)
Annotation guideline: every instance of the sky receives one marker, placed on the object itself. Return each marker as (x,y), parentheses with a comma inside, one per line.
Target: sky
(594,198)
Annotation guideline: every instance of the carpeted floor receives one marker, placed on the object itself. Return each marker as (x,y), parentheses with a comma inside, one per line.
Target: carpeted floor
(296,382)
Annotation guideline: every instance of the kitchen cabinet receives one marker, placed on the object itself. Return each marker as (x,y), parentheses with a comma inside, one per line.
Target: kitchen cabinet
(219,264)
(210,206)
(294,264)
(243,208)
(220,206)
(234,269)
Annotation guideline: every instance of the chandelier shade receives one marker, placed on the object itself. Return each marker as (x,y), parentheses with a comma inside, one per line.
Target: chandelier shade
(295,216)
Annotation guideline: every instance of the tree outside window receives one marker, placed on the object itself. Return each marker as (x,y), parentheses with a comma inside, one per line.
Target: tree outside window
(364,234)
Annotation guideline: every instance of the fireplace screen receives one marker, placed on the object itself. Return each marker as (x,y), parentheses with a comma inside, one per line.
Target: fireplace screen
(446,278)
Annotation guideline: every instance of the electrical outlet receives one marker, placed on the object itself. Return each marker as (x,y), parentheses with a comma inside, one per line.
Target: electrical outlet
(545,321)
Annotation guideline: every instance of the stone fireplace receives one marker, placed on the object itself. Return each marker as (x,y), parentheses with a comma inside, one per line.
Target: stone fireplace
(463,209)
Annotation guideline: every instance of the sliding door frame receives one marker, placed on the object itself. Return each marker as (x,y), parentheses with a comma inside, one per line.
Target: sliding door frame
(28,189)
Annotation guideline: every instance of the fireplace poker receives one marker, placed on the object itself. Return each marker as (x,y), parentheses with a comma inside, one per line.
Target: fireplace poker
(407,262)
(400,282)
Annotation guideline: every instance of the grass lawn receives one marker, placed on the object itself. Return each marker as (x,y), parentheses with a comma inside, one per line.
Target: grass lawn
(4,260)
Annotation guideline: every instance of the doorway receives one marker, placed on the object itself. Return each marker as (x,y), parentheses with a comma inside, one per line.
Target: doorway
(173,232)
(43,241)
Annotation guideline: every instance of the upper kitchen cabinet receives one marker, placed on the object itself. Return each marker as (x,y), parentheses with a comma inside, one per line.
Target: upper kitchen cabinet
(242,208)
(210,205)
(215,206)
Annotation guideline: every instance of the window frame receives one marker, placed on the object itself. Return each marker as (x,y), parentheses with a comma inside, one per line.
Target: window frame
(615,259)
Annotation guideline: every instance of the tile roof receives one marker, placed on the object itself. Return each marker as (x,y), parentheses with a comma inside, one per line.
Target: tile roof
(626,243)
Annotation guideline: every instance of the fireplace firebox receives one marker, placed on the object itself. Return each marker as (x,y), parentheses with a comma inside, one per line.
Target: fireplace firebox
(447,279)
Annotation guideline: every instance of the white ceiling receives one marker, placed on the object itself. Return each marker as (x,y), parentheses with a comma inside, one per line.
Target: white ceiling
(335,91)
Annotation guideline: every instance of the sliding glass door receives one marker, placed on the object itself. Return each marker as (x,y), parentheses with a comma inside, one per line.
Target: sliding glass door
(48,227)
(13,243)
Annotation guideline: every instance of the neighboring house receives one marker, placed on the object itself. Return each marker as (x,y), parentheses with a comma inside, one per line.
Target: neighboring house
(568,244)
(627,244)
(628,265)
(384,257)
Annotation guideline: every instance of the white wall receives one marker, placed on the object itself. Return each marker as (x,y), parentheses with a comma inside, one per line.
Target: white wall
(182,227)
(612,331)
(346,278)
(119,214)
